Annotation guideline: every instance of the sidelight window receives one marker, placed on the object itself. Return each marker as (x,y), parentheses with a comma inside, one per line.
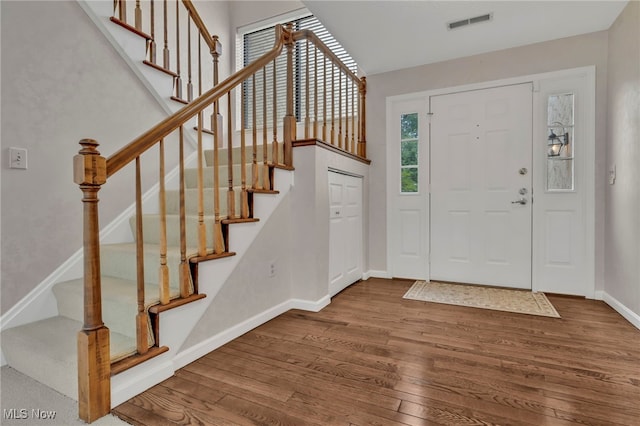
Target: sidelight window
(560,142)
(409,153)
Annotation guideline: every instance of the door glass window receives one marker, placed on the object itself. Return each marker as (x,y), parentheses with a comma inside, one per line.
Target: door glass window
(560,142)
(409,153)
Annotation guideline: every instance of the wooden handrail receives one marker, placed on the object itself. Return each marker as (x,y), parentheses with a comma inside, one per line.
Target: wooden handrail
(148,139)
(213,46)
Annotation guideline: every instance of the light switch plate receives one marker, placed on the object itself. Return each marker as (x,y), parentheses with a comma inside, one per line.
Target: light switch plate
(17,158)
(612,175)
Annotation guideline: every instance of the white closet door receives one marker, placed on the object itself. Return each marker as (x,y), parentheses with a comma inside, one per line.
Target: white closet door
(345,231)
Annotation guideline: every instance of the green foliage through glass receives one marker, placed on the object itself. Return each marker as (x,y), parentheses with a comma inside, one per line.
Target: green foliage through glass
(409,152)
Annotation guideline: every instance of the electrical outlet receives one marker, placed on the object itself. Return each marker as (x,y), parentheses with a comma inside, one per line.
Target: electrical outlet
(17,158)
(272,270)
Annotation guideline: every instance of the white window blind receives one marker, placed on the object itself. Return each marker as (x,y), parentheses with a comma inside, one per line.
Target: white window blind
(256,43)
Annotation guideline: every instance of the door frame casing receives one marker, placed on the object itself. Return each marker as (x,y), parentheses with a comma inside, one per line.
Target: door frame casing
(588,176)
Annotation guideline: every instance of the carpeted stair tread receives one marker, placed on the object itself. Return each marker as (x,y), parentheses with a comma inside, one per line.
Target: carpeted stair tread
(191,201)
(151,229)
(119,260)
(119,301)
(46,350)
(191,176)
(236,153)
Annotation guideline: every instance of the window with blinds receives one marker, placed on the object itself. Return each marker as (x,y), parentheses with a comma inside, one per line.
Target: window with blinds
(256,43)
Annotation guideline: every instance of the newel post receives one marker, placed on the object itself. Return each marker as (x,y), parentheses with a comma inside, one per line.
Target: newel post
(289,125)
(362,141)
(94,369)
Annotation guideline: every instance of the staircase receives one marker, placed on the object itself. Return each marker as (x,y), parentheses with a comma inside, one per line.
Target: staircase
(46,350)
(119,328)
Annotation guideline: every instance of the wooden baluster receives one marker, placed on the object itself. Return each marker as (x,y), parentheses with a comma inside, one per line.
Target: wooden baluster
(218,241)
(215,117)
(324,100)
(265,168)
(165,51)
(290,125)
(244,196)
(254,133)
(123,10)
(216,127)
(333,104)
(138,16)
(200,66)
(190,83)
(202,236)
(152,43)
(94,367)
(315,93)
(307,100)
(346,113)
(353,117)
(339,108)
(178,78)
(274,145)
(164,269)
(142,319)
(185,273)
(362,136)
(231,196)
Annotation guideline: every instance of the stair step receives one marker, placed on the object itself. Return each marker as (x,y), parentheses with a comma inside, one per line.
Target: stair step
(151,229)
(191,201)
(236,153)
(119,261)
(46,350)
(191,176)
(119,302)
(130,28)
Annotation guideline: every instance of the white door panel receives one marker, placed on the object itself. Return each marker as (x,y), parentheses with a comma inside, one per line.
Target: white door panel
(408,230)
(480,140)
(345,231)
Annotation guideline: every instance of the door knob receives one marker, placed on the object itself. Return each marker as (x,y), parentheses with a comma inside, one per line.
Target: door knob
(521,201)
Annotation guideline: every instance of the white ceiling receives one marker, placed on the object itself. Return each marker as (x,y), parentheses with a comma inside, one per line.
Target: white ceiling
(394,34)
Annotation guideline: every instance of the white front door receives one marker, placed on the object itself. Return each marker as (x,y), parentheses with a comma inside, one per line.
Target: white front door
(345,231)
(481,182)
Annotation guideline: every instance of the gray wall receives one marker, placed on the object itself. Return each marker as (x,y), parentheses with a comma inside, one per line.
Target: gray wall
(572,52)
(61,82)
(622,227)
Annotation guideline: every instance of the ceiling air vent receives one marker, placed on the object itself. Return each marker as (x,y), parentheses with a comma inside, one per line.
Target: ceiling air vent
(468,21)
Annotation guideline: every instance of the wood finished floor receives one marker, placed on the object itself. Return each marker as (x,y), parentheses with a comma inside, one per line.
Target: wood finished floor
(373,358)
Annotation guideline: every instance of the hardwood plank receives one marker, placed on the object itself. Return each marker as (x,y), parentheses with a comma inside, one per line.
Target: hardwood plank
(371,357)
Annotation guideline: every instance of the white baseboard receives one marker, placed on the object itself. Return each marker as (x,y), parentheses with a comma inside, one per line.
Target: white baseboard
(201,349)
(627,313)
(375,274)
(136,380)
(307,305)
